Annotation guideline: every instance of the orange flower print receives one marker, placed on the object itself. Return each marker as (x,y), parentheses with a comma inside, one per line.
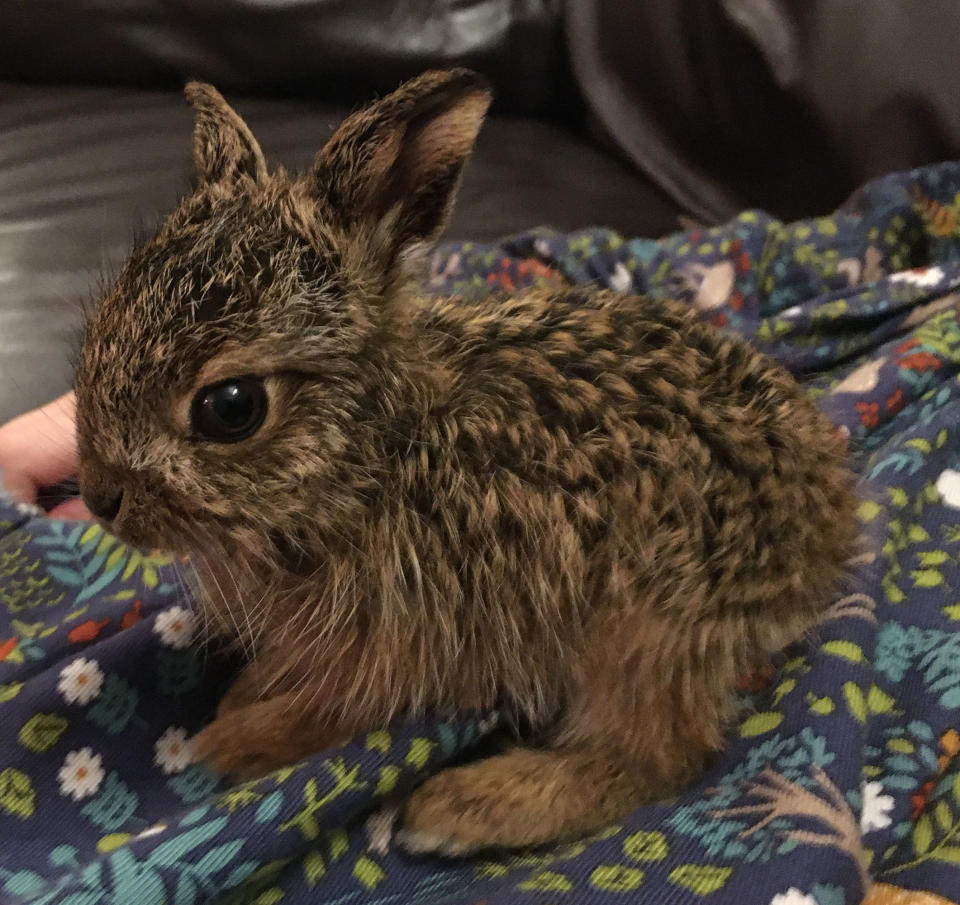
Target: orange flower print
(895,402)
(949,749)
(7,648)
(920,361)
(869,413)
(87,632)
(918,799)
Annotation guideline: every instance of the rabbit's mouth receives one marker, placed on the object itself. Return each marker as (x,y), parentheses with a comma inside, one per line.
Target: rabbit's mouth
(150,525)
(142,535)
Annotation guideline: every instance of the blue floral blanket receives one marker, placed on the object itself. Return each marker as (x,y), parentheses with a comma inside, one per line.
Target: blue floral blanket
(844,771)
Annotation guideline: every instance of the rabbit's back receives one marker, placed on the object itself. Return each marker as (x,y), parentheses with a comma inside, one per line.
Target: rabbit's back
(673,450)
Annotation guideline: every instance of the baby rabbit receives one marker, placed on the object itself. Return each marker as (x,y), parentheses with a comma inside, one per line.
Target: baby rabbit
(591,510)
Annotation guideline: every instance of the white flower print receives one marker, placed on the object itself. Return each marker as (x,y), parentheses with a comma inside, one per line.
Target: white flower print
(621,279)
(172,752)
(793,896)
(948,486)
(175,627)
(921,276)
(795,311)
(81,774)
(863,379)
(379,828)
(875,814)
(80,681)
(715,285)
(154,830)
(542,247)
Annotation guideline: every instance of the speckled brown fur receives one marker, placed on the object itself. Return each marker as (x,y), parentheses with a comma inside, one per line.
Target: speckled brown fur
(592,509)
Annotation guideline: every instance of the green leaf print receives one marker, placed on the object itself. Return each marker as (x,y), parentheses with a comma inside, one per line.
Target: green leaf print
(898,496)
(820,706)
(388,779)
(379,741)
(9,691)
(16,793)
(943,816)
(368,872)
(760,723)
(419,753)
(546,881)
(847,650)
(856,702)
(614,878)
(783,689)
(922,834)
(90,559)
(255,884)
(26,629)
(878,701)
(23,584)
(936,837)
(344,779)
(868,511)
(314,868)
(339,844)
(701,879)
(927,578)
(42,731)
(646,846)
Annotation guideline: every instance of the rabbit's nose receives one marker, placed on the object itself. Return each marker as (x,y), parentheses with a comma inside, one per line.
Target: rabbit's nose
(104,502)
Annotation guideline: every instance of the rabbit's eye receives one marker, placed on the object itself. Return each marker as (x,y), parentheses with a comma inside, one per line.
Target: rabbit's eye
(229,411)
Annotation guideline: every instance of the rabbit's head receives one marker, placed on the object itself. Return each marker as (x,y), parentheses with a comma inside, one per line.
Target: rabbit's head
(224,380)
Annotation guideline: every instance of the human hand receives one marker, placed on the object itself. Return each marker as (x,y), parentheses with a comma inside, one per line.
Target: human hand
(38,450)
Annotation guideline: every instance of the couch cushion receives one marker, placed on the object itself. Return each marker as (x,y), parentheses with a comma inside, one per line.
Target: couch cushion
(335,51)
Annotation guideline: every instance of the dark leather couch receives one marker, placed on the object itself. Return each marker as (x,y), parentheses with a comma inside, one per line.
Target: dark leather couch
(621,113)
(82,165)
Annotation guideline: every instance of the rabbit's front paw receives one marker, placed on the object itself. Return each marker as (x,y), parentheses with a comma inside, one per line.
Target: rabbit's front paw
(519,799)
(448,815)
(249,742)
(230,751)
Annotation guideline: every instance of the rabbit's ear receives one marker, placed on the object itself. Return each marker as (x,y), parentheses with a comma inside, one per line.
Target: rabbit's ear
(396,164)
(224,149)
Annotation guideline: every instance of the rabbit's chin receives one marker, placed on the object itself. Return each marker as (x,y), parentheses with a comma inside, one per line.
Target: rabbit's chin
(159,537)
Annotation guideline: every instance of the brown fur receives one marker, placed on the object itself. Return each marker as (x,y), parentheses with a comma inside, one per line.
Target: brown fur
(592,509)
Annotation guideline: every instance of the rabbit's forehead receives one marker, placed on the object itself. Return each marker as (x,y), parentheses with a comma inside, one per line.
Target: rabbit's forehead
(177,302)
